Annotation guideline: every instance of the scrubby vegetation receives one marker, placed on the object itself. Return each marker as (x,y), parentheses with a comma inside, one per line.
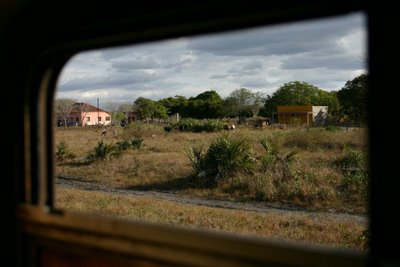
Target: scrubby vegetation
(63,152)
(197,126)
(223,160)
(355,175)
(313,168)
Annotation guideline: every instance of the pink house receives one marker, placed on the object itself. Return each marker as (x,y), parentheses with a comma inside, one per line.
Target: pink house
(83,114)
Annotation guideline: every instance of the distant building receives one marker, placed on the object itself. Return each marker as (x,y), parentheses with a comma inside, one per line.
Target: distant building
(83,114)
(131,116)
(310,115)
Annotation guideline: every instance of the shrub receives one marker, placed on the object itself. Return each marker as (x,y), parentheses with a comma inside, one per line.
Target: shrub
(224,159)
(196,157)
(136,142)
(305,186)
(103,151)
(123,145)
(355,174)
(63,151)
(274,160)
(352,160)
(193,125)
(133,143)
(333,128)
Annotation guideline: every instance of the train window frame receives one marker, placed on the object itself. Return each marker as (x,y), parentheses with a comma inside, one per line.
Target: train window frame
(44,231)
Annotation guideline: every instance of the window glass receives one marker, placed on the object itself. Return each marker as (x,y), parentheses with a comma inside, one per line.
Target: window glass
(258,132)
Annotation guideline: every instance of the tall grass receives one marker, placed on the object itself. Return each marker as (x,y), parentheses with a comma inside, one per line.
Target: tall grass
(141,130)
(321,139)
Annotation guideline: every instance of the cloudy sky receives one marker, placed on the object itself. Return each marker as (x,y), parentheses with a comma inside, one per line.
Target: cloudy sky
(325,53)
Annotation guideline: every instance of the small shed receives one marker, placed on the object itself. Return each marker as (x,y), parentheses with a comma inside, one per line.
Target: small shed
(308,114)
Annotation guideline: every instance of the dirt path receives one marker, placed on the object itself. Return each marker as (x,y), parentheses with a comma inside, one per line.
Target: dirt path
(90,185)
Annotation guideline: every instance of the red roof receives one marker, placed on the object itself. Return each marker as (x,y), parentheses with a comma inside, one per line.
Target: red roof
(85,107)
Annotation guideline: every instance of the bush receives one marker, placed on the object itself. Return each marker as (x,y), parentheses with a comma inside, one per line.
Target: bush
(193,125)
(274,160)
(103,151)
(142,130)
(123,145)
(136,142)
(355,174)
(333,128)
(305,186)
(196,156)
(225,158)
(352,160)
(133,143)
(63,151)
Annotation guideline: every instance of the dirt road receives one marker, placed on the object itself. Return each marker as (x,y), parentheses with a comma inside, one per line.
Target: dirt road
(83,184)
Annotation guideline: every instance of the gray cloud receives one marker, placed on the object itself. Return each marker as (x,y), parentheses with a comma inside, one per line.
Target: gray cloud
(325,53)
(127,66)
(253,83)
(309,61)
(284,39)
(253,65)
(114,80)
(218,76)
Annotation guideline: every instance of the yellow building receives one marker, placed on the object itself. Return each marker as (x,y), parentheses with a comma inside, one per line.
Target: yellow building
(310,115)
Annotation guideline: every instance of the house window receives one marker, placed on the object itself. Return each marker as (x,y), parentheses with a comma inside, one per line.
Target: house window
(99,118)
(87,118)
(108,118)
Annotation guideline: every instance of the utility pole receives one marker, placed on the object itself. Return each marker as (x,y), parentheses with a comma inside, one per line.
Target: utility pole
(98,111)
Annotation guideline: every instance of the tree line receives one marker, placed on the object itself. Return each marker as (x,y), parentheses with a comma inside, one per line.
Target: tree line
(347,104)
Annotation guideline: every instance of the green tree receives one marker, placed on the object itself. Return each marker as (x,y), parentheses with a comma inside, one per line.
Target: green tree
(299,93)
(229,108)
(242,103)
(205,105)
(209,96)
(160,112)
(353,99)
(144,107)
(147,108)
(329,99)
(177,104)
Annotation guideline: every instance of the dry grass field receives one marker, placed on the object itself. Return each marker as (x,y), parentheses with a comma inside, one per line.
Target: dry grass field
(320,178)
(324,230)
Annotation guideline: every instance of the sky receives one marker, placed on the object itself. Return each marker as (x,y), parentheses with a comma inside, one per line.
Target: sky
(325,53)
